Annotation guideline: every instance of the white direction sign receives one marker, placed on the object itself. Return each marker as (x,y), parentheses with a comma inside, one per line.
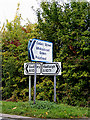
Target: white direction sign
(43,68)
(41,50)
(29,68)
(51,68)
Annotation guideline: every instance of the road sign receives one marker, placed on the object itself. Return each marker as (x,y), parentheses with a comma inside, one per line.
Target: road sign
(41,50)
(51,68)
(29,68)
(43,68)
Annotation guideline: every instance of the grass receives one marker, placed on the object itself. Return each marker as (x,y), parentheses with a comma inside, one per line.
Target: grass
(44,109)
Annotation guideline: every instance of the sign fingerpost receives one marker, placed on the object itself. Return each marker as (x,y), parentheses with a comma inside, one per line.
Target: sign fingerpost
(41,51)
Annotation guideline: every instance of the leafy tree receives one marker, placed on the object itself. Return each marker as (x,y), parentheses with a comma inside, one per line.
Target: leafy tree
(15,39)
(67,26)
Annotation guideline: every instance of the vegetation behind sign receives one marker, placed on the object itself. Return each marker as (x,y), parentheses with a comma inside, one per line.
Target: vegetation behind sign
(68,28)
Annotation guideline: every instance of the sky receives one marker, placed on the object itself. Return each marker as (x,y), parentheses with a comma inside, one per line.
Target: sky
(8,10)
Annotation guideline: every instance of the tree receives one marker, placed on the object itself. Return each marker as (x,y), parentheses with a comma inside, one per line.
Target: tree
(67,27)
(15,39)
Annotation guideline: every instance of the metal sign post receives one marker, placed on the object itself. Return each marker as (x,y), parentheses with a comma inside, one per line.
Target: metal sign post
(35,82)
(29,88)
(54,88)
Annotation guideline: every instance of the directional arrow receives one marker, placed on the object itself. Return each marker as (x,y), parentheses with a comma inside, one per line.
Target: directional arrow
(58,65)
(31,50)
(25,68)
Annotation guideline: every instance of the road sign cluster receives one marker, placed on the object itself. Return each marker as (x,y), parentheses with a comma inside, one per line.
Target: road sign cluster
(42,52)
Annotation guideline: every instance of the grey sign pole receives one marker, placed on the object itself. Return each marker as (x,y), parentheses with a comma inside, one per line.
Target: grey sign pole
(35,81)
(54,88)
(29,88)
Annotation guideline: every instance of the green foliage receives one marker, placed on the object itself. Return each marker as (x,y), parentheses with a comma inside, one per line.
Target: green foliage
(67,26)
(15,39)
(42,105)
(44,109)
(45,89)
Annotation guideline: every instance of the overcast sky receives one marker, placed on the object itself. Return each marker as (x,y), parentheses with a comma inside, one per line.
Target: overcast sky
(8,9)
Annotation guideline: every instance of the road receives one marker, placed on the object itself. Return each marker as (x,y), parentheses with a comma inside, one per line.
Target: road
(16,117)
